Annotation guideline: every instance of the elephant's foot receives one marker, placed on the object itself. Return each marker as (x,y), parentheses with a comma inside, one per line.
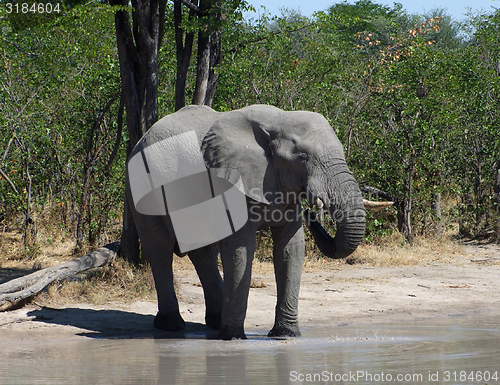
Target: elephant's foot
(232,333)
(280,330)
(213,320)
(170,322)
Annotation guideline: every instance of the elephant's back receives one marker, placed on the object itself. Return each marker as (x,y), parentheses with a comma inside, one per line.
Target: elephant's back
(189,118)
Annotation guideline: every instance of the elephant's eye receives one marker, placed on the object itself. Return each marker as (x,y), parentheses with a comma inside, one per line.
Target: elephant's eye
(304,157)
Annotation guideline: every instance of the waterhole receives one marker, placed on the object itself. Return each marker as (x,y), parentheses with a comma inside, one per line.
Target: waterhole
(451,350)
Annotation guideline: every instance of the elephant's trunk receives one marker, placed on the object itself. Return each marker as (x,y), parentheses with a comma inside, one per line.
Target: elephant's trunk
(349,213)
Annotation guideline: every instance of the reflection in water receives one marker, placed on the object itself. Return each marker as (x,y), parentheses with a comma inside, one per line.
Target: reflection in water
(431,351)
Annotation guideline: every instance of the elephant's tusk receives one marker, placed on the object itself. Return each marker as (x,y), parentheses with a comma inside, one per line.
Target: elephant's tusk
(319,203)
(376,205)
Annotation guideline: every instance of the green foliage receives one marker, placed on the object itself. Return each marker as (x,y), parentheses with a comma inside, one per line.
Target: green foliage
(415,105)
(56,77)
(413,98)
(379,225)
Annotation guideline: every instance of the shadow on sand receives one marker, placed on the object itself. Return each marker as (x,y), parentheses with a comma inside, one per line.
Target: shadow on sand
(7,274)
(116,324)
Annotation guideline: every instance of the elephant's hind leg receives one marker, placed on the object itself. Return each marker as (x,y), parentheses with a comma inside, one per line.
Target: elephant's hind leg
(158,247)
(288,256)
(168,316)
(205,262)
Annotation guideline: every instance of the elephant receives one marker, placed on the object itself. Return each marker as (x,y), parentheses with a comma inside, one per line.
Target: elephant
(275,160)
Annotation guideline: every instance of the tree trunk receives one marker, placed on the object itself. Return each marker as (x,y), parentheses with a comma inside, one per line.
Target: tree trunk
(464,225)
(130,235)
(83,213)
(208,56)
(404,219)
(212,85)
(215,59)
(30,230)
(138,47)
(184,48)
(496,189)
(202,68)
(436,210)
(404,209)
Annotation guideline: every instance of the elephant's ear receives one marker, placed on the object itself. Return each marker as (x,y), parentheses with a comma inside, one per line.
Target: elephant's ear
(239,147)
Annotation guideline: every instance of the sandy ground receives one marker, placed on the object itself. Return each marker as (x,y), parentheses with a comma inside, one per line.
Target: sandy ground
(330,294)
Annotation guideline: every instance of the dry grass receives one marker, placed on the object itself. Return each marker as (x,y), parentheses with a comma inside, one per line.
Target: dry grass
(117,281)
(388,250)
(391,250)
(53,244)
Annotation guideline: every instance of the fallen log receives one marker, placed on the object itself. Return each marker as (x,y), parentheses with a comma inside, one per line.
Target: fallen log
(17,292)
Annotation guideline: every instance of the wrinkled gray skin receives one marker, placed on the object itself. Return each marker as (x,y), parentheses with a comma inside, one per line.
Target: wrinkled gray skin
(281,157)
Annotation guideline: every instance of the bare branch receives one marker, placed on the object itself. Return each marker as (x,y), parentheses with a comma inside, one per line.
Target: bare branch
(7,150)
(118,135)
(32,97)
(31,54)
(191,6)
(4,175)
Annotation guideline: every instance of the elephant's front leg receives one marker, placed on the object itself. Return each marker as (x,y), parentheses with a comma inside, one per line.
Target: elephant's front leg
(288,256)
(205,262)
(237,254)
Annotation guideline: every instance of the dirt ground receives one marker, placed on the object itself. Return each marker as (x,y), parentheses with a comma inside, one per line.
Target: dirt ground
(330,294)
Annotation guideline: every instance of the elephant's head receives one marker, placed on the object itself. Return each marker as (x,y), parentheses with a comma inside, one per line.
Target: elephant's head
(288,155)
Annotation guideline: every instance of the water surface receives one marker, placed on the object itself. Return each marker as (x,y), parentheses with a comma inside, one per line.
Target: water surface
(451,350)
